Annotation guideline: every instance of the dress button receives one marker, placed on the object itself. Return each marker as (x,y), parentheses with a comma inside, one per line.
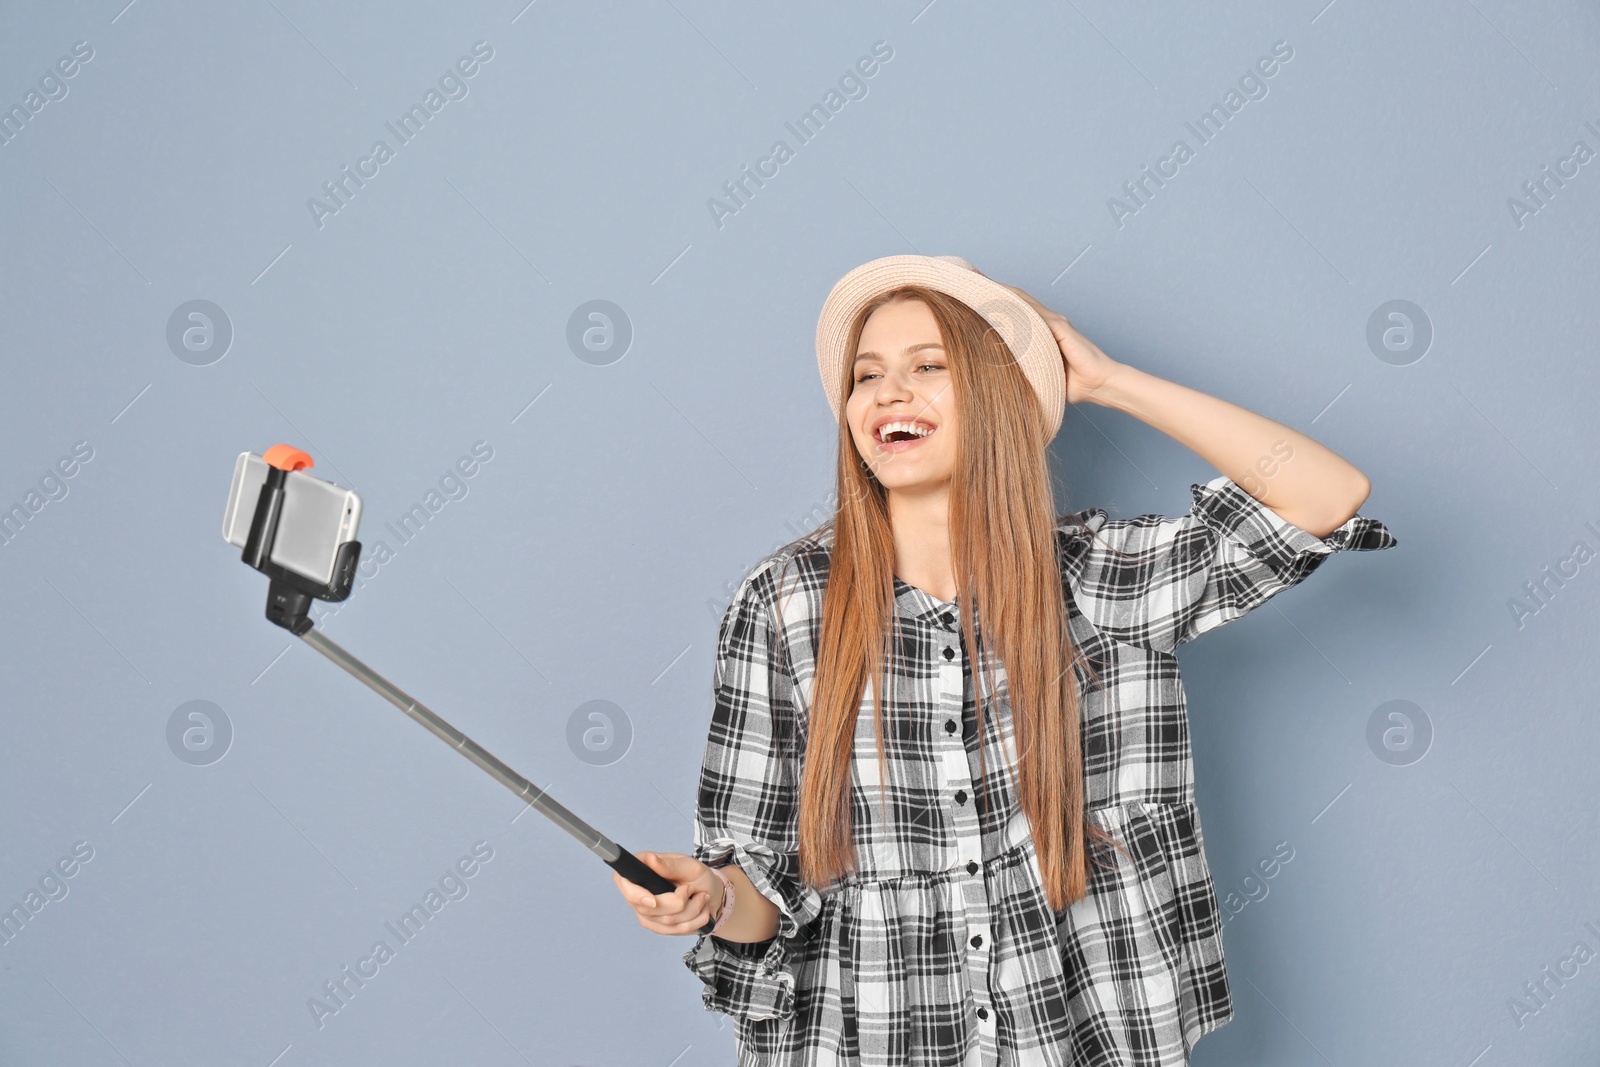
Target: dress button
(949,653)
(947,618)
(961,796)
(977,941)
(949,726)
(972,866)
(983,1013)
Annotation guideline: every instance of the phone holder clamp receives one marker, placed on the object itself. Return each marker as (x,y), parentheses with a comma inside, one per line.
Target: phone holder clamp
(289,594)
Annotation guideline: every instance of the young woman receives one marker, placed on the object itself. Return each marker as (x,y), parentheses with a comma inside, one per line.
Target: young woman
(946,814)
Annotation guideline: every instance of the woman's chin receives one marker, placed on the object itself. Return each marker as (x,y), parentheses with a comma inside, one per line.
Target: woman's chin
(911,484)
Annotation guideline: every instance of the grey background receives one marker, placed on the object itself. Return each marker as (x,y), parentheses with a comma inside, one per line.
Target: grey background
(590,558)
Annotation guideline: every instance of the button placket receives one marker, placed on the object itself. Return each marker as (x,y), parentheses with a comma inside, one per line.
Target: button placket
(969,840)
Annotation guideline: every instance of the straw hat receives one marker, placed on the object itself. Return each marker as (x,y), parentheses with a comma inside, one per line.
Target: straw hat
(1023,331)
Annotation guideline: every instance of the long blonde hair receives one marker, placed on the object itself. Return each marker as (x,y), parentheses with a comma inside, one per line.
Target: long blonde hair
(1007,570)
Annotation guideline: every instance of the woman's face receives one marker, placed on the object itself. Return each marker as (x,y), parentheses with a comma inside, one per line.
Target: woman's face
(902,379)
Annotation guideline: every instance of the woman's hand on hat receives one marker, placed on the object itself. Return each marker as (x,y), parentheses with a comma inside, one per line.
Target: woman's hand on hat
(1087,367)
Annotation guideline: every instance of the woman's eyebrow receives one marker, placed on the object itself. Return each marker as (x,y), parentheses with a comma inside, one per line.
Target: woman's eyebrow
(914,348)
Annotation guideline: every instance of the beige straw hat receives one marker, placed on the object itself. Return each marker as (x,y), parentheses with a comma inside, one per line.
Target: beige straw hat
(1023,331)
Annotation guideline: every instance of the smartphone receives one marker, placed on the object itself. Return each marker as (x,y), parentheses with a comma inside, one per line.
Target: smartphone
(318,516)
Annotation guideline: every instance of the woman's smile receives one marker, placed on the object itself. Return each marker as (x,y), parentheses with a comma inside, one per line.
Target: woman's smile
(902,435)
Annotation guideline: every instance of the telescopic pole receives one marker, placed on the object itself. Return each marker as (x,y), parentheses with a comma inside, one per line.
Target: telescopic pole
(289,597)
(617,857)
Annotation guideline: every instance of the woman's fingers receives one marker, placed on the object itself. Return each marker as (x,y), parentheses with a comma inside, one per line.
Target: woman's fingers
(634,894)
(670,907)
(687,922)
(659,907)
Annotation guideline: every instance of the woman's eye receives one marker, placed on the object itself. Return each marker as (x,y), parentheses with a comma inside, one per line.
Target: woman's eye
(920,366)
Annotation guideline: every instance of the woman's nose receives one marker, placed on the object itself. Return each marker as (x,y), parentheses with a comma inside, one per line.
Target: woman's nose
(895,385)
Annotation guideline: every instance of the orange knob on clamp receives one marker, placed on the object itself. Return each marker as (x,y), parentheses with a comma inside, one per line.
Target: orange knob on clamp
(286,457)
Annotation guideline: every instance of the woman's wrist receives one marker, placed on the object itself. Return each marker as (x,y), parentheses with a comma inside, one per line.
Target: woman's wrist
(752,916)
(722,909)
(1111,393)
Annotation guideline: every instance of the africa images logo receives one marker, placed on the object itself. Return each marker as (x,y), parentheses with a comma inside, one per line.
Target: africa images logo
(452,85)
(453,885)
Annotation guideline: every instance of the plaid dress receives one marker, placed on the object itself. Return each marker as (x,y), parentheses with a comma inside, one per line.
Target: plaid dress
(941,949)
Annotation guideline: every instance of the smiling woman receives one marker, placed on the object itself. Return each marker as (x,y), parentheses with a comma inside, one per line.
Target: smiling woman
(946,809)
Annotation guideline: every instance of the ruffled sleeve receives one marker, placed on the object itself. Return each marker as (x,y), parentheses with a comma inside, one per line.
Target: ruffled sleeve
(1157,581)
(748,810)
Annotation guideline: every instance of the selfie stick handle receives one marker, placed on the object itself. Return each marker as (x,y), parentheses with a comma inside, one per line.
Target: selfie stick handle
(289,599)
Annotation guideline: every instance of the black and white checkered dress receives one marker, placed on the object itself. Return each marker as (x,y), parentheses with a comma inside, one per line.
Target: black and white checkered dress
(941,949)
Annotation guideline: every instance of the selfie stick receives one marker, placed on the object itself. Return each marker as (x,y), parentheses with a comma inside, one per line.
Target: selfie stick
(289,599)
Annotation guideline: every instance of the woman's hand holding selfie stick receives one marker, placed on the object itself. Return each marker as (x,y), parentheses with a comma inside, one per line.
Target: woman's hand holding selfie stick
(698,899)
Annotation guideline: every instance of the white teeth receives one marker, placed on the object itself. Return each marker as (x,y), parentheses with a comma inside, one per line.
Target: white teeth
(910,427)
